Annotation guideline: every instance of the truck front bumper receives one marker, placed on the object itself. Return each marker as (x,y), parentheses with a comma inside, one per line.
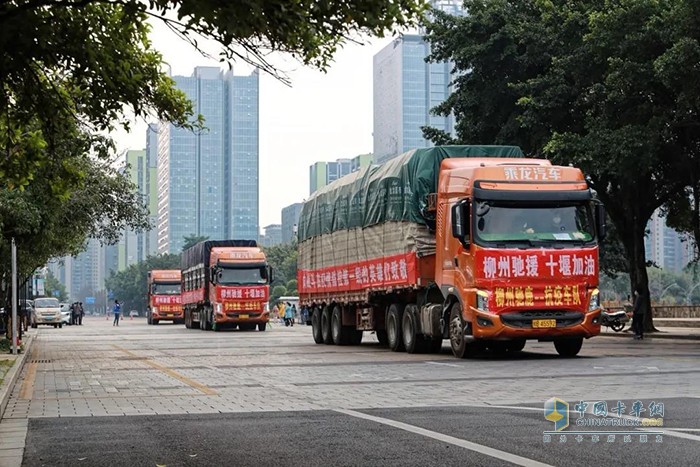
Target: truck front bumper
(160,315)
(520,325)
(239,317)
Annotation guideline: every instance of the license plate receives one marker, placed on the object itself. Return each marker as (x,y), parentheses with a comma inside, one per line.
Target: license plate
(243,316)
(544,323)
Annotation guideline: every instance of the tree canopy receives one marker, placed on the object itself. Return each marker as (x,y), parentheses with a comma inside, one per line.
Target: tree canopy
(607,86)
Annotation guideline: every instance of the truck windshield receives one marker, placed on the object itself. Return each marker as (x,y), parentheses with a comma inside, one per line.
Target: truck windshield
(172,288)
(497,223)
(241,276)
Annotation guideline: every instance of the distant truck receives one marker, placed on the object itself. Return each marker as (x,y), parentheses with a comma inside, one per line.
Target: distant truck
(474,244)
(226,284)
(164,303)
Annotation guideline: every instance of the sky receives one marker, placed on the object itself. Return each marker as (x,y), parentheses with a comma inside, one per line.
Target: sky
(320,117)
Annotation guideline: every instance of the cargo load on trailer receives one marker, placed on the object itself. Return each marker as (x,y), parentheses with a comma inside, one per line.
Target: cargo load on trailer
(471,243)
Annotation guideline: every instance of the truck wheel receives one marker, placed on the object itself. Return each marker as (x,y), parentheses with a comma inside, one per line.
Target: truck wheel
(148,318)
(55,326)
(382,337)
(326,325)
(60,325)
(412,340)
(205,321)
(393,327)
(316,325)
(262,326)
(340,333)
(568,347)
(188,320)
(155,321)
(460,331)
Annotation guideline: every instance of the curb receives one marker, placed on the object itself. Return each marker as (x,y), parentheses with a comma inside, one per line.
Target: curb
(12,375)
(655,335)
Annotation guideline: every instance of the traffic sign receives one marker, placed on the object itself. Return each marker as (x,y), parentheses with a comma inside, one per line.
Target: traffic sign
(89,300)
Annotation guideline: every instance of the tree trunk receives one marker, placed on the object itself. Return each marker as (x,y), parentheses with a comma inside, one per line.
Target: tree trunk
(634,244)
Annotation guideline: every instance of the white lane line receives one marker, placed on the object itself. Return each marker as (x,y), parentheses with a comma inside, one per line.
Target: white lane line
(506,456)
(446,364)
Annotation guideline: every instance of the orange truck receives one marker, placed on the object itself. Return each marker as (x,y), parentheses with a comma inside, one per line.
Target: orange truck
(164,297)
(473,244)
(226,284)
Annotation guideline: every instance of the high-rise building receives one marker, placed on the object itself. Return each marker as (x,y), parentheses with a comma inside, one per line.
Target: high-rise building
(272,236)
(290,221)
(666,247)
(405,89)
(208,180)
(323,173)
(84,274)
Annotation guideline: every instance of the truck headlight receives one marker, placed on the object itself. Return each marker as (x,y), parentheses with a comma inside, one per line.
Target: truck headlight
(218,308)
(154,310)
(594,301)
(482,300)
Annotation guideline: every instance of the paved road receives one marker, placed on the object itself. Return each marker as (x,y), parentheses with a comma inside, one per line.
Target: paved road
(164,395)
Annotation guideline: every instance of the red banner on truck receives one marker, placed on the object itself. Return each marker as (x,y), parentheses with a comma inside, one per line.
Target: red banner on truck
(241,293)
(378,272)
(509,265)
(166,299)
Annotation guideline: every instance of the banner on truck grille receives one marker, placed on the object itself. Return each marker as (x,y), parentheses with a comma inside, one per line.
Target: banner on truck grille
(166,299)
(509,265)
(259,293)
(389,271)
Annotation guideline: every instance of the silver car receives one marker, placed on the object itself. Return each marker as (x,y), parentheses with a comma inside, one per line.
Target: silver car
(47,311)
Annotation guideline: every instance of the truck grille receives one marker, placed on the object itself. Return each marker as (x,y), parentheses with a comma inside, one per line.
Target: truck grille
(523,319)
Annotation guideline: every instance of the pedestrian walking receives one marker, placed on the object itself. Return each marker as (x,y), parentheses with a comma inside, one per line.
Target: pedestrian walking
(280,311)
(638,313)
(81,313)
(74,313)
(288,315)
(116,309)
(304,314)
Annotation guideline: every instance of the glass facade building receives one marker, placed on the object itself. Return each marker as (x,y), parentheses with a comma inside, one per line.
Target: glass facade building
(208,180)
(290,220)
(323,173)
(405,89)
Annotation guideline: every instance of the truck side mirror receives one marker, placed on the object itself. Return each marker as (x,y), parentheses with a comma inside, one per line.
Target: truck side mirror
(460,221)
(270,275)
(600,220)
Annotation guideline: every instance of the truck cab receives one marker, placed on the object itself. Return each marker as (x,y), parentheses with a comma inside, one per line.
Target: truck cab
(164,300)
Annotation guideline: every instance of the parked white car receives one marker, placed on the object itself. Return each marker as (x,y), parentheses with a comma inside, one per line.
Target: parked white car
(47,310)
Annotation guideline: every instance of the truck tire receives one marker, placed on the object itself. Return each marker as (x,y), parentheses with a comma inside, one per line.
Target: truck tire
(188,320)
(205,321)
(342,335)
(262,326)
(568,347)
(460,330)
(316,325)
(148,318)
(60,325)
(382,337)
(393,327)
(412,340)
(326,326)
(155,321)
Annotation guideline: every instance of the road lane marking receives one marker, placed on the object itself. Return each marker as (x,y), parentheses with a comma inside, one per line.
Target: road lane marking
(498,454)
(172,373)
(28,385)
(445,364)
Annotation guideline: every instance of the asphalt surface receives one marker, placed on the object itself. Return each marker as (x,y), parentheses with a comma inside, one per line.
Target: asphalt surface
(161,395)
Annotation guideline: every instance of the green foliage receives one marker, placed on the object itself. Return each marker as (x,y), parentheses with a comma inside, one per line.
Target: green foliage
(130,286)
(283,259)
(292,287)
(609,87)
(192,239)
(277,292)
(53,284)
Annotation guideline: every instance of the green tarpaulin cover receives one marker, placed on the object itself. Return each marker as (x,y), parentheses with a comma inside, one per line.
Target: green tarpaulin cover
(394,191)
